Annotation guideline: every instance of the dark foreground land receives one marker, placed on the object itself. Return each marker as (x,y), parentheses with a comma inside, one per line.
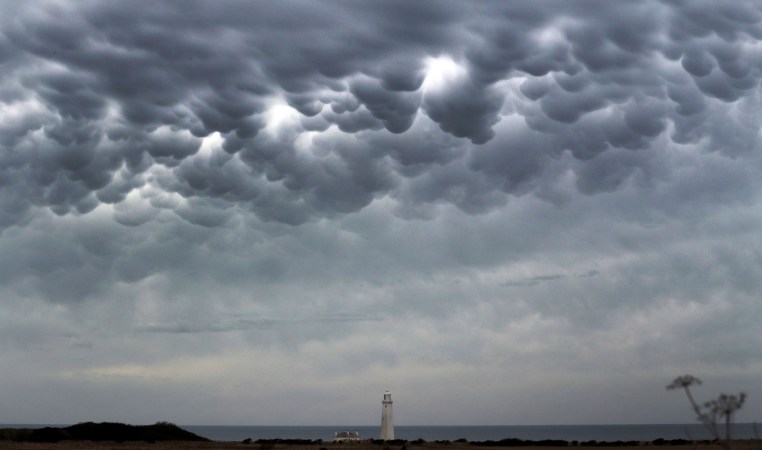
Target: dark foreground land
(172,445)
(165,436)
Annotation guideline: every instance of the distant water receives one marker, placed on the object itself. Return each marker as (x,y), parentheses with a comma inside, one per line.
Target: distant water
(477,433)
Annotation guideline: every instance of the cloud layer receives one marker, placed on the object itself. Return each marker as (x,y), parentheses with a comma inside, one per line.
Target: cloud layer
(425,194)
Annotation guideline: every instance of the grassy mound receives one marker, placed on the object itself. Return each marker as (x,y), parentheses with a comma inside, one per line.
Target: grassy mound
(104,431)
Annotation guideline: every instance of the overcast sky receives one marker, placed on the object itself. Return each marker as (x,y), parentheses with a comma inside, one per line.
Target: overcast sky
(266,213)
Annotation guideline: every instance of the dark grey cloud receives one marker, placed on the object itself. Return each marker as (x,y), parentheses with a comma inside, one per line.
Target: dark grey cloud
(345,190)
(538,279)
(145,85)
(253,323)
(532,281)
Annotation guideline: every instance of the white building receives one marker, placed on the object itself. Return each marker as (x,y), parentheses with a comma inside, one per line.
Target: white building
(346,436)
(387,425)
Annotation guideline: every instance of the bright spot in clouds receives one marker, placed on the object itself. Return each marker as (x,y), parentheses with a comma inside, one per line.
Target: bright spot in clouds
(210,144)
(279,115)
(440,71)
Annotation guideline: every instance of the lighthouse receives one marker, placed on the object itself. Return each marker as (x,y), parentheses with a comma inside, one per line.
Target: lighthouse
(387,425)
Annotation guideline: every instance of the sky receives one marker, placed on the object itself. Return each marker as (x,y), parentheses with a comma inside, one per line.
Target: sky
(266,213)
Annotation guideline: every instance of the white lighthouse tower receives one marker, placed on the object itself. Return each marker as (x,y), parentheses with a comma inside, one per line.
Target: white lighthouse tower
(387,425)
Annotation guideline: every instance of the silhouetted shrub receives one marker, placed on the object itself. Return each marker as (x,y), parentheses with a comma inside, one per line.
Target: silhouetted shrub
(48,434)
(514,442)
(670,442)
(616,444)
(15,434)
(272,442)
(550,443)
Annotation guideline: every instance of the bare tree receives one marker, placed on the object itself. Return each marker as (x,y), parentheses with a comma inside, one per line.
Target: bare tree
(723,408)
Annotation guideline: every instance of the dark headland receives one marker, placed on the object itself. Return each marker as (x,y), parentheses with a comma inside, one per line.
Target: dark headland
(102,432)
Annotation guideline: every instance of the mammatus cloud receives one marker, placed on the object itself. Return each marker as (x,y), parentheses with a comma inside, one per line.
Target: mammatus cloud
(440,193)
(103,101)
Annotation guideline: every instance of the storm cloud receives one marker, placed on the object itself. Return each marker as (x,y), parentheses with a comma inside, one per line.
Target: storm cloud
(423,194)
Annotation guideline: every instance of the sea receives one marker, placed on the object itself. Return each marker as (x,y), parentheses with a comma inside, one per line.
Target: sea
(581,433)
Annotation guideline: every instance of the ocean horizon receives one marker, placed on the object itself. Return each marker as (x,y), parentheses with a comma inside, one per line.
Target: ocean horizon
(581,433)
(639,432)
